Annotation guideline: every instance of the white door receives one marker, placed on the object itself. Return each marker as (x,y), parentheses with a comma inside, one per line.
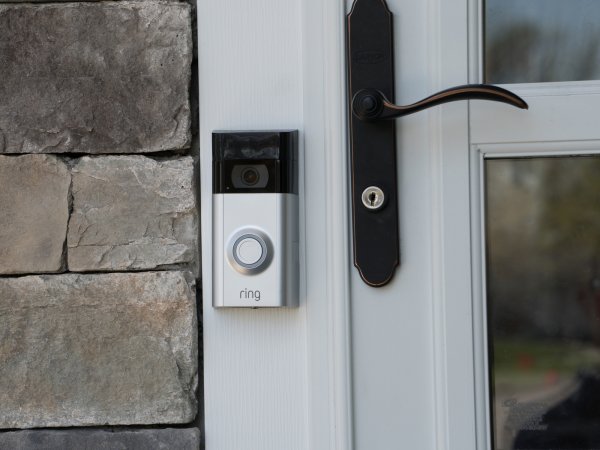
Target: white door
(485,191)
(487,337)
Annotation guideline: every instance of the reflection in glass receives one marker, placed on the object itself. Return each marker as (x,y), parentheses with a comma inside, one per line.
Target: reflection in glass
(543,302)
(528,41)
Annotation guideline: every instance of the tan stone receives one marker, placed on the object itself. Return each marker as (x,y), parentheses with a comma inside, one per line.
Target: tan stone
(131,213)
(34,211)
(97,349)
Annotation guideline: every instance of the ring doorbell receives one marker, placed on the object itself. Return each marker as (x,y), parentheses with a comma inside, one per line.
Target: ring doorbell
(255,219)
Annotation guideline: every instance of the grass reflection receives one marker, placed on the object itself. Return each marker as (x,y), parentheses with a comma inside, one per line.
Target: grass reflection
(521,365)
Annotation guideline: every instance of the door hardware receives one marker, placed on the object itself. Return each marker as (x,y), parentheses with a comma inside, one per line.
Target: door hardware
(370,67)
(371,105)
(373,198)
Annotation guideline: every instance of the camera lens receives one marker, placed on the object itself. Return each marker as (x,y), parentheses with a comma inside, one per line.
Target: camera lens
(250,176)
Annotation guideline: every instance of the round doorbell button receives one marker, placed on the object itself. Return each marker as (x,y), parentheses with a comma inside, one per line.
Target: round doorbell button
(249,251)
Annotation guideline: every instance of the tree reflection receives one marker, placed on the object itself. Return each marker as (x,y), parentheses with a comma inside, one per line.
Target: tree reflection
(542,41)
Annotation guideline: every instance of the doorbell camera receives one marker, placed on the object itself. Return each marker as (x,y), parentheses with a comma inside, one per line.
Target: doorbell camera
(255,219)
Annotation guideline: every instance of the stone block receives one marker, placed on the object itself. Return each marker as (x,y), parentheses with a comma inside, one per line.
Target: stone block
(165,439)
(34,211)
(69,1)
(102,349)
(132,213)
(106,77)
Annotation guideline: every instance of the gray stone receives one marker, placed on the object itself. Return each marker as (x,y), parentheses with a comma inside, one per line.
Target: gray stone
(166,439)
(65,1)
(131,213)
(34,211)
(108,77)
(104,349)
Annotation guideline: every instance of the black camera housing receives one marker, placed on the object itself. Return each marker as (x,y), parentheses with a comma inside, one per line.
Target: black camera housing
(272,155)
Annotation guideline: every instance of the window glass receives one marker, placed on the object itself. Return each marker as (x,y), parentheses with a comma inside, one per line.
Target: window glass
(543,302)
(528,41)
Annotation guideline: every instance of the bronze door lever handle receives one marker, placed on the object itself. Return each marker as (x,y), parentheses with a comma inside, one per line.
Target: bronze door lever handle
(371,104)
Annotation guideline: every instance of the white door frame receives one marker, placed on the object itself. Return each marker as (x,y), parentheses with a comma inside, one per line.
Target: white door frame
(280,379)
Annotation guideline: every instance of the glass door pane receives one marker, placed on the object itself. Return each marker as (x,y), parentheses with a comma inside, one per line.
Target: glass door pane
(529,41)
(543,301)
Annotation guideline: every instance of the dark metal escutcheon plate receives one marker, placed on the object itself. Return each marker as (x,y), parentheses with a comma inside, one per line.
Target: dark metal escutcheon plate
(373,144)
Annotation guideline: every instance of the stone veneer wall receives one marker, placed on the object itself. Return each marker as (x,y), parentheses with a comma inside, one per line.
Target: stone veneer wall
(98,227)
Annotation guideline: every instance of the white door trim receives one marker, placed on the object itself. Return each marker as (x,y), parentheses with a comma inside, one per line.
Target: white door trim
(280,379)
(328,320)
(254,361)
(452,250)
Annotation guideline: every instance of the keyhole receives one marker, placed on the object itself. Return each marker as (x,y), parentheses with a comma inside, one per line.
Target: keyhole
(372,198)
